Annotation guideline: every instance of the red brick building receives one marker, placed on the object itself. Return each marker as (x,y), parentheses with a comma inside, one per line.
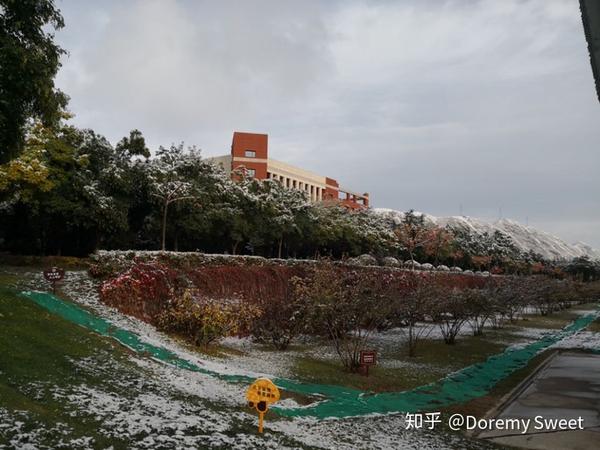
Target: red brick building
(250,154)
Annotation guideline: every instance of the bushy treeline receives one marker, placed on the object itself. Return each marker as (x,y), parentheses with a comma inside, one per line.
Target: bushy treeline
(348,307)
(343,304)
(70,192)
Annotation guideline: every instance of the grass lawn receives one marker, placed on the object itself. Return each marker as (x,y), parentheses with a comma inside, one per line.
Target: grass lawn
(594,326)
(556,320)
(62,386)
(434,360)
(39,349)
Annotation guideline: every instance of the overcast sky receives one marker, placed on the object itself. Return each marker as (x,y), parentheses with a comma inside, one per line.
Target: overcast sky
(431,105)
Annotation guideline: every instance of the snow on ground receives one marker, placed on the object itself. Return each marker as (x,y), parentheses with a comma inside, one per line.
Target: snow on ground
(174,408)
(587,340)
(165,407)
(259,358)
(79,287)
(21,436)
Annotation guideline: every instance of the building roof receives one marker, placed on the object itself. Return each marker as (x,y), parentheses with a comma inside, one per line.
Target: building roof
(590,15)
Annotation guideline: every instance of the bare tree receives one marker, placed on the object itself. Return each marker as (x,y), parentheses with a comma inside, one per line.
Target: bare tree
(347,306)
(413,312)
(478,309)
(450,313)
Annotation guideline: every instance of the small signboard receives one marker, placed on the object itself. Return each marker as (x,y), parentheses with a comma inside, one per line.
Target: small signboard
(260,395)
(54,275)
(368,358)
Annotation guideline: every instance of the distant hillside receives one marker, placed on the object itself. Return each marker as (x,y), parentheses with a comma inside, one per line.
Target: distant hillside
(525,238)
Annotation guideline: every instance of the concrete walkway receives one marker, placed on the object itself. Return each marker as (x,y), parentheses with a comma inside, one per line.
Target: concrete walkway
(567,387)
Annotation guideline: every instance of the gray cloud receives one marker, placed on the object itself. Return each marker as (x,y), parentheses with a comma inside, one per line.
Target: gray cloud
(430,105)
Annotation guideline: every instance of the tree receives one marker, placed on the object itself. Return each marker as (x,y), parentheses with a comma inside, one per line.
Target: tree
(169,181)
(413,308)
(438,244)
(280,208)
(412,232)
(134,145)
(347,306)
(584,269)
(479,309)
(68,191)
(449,312)
(29,60)
(281,318)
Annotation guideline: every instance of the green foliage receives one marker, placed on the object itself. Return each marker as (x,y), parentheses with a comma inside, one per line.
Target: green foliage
(29,60)
(134,145)
(69,191)
(584,269)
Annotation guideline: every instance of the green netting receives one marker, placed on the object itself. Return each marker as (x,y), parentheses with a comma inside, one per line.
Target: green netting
(469,383)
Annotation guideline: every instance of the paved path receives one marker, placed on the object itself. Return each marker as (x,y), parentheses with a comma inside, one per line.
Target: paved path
(567,387)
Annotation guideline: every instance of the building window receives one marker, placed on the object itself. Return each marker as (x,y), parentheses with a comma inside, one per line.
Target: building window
(250,173)
(250,154)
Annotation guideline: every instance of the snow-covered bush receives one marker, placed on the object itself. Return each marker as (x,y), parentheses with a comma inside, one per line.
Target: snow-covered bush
(442,268)
(362,260)
(390,261)
(412,265)
(427,266)
(456,269)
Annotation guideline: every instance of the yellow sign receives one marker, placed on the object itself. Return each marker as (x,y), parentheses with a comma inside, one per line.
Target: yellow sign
(260,395)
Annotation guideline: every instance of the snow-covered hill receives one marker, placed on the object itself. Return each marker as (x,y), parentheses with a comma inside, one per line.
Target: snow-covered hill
(524,237)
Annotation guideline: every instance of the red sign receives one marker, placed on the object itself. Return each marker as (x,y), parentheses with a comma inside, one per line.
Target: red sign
(55,274)
(367,357)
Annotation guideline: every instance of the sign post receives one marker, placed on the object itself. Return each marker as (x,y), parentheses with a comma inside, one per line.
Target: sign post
(260,395)
(368,358)
(54,275)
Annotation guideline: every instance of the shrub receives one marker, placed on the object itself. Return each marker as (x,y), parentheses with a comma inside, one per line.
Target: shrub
(282,318)
(390,261)
(413,301)
(143,291)
(478,309)
(348,306)
(204,320)
(449,312)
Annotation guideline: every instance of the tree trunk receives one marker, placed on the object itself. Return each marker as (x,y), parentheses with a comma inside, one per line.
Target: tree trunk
(279,248)
(164,226)
(411,342)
